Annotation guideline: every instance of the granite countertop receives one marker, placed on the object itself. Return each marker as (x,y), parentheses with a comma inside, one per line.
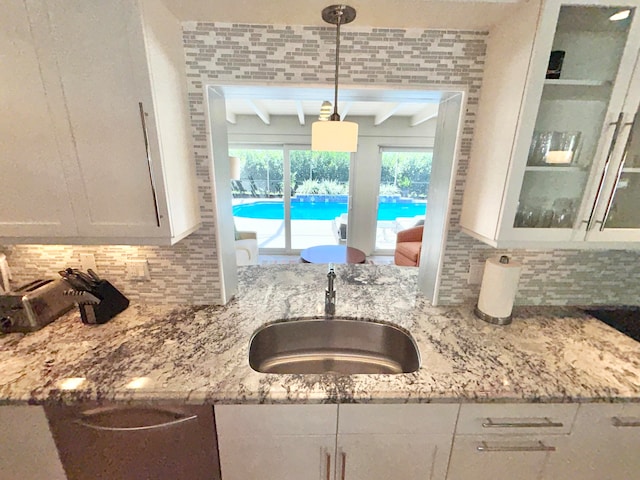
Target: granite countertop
(198,354)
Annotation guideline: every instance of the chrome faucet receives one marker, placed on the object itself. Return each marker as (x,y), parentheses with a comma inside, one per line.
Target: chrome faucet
(330,292)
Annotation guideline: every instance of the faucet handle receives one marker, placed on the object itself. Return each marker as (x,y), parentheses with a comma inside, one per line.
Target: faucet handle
(331,270)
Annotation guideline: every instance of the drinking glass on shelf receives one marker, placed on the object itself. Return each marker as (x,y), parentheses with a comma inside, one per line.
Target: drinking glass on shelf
(564,212)
(546,218)
(531,217)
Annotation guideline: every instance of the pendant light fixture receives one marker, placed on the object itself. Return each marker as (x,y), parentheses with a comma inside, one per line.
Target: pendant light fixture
(335,135)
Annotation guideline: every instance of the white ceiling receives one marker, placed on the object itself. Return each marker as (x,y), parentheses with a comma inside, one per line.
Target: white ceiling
(305,103)
(454,14)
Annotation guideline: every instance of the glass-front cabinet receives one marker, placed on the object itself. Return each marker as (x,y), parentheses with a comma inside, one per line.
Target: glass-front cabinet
(618,215)
(574,168)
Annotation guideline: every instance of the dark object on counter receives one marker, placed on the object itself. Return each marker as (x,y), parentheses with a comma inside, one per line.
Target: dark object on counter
(97,299)
(555,64)
(112,302)
(34,305)
(624,319)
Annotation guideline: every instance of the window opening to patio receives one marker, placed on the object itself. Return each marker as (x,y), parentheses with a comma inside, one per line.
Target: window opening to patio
(402,196)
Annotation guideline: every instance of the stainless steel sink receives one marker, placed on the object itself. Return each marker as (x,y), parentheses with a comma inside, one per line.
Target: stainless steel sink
(337,345)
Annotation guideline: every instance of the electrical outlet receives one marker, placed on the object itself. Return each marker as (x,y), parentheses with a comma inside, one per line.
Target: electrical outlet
(138,270)
(88,261)
(476,270)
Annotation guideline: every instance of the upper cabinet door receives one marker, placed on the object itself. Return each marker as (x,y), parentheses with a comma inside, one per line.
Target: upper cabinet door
(581,78)
(117,183)
(617,214)
(33,191)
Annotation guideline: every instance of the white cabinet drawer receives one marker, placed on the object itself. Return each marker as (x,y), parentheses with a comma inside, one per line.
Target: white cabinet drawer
(508,457)
(609,417)
(256,420)
(516,418)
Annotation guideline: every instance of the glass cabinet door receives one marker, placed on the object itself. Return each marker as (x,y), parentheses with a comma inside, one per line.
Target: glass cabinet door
(623,209)
(583,65)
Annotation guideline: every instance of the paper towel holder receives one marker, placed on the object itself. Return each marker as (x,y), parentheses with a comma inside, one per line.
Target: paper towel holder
(490,318)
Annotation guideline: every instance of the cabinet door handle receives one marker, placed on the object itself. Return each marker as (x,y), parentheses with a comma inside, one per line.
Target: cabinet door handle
(545,423)
(618,125)
(540,447)
(143,120)
(619,422)
(619,173)
(328,465)
(87,419)
(343,469)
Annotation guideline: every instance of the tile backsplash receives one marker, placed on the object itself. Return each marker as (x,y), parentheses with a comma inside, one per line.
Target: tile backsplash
(223,53)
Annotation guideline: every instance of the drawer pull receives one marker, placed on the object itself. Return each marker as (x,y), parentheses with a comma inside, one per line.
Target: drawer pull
(545,423)
(328,465)
(344,465)
(143,121)
(619,422)
(540,447)
(618,174)
(618,125)
(107,419)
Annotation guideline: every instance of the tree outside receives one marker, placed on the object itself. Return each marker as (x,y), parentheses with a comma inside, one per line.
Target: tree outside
(403,173)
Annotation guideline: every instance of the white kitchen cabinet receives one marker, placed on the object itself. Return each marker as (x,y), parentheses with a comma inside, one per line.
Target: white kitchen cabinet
(403,442)
(117,91)
(345,442)
(606,442)
(27,449)
(276,442)
(34,197)
(527,188)
(507,441)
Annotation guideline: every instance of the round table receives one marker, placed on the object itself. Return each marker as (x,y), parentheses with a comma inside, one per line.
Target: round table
(332,254)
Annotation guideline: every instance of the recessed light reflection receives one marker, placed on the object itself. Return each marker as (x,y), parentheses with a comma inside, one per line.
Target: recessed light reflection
(71,383)
(138,382)
(621,15)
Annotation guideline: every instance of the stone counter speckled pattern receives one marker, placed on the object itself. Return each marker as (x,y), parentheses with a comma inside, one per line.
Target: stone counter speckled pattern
(199,354)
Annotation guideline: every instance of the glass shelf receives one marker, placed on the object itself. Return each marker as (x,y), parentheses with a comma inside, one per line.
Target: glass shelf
(589,90)
(550,168)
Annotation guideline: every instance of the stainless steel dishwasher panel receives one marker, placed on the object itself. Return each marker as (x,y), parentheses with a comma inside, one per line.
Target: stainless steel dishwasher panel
(135,442)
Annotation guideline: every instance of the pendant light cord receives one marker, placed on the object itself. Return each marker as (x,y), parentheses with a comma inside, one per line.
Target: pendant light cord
(336,116)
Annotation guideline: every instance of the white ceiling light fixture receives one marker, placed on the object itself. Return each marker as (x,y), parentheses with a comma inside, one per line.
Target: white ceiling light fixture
(621,15)
(334,135)
(325,111)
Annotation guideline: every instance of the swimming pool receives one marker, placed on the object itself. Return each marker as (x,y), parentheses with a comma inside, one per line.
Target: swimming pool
(322,210)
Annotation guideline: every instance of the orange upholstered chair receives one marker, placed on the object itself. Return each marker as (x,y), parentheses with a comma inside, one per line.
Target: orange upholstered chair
(408,245)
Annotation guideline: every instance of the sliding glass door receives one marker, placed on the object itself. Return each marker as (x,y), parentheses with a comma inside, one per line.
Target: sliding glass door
(319,197)
(402,196)
(292,197)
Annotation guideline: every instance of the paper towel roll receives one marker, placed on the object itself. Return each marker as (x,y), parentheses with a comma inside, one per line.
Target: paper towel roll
(498,288)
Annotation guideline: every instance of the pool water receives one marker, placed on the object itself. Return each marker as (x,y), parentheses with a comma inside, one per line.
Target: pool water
(323,210)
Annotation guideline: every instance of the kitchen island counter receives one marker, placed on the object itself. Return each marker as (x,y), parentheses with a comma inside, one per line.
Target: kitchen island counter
(199,354)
